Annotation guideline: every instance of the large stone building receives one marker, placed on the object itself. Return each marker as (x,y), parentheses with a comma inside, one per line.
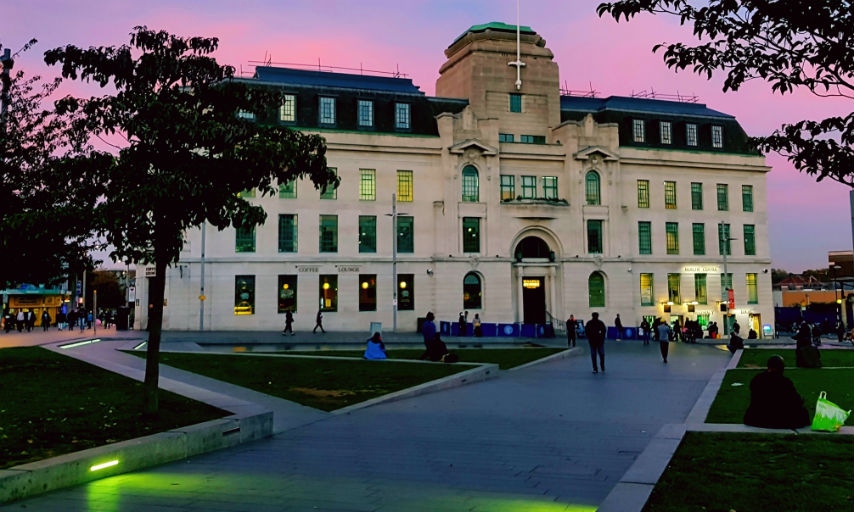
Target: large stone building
(512,202)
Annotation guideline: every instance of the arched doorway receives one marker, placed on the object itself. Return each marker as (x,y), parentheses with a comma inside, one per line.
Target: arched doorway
(534,271)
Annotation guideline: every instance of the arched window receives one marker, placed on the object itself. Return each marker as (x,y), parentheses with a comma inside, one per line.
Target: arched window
(596,290)
(592,188)
(533,247)
(471,193)
(472,292)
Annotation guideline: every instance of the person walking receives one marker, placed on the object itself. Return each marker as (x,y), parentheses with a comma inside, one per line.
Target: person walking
(318,322)
(644,327)
(571,330)
(619,325)
(476,324)
(664,339)
(289,320)
(595,330)
(461,322)
(45,320)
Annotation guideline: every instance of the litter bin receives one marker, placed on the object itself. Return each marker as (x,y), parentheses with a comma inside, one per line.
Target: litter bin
(122,317)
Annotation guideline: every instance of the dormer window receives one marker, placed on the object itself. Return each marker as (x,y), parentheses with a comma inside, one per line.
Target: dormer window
(691,134)
(717,136)
(288,109)
(638,132)
(366,113)
(402,118)
(327,110)
(664,131)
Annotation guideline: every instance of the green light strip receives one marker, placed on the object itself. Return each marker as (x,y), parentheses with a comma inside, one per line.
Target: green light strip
(111,463)
(79,343)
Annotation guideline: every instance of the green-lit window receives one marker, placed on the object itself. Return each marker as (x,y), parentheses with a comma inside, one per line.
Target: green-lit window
(327,110)
(288,233)
(670,195)
(646,290)
(747,197)
(288,190)
(699,232)
(328,292)
(671,230)
(594,236)
(471,234)
(288,109)
(696,196)
(367,185)
(529,187)
(643,193)
(244,240)
(515,102)
(404,186)
(596,290)
(328,233)
(592,188)
(506,137)
(366,113)
(674,284)
(550,187)
(406,292)
(402,116)
(471,189)
(723,197)
(244,295)
(472,291)
(700,294)
(405,234)
(752,289)
(246,193)
(508,187)
(749,240)
(644,237)
(331,191)
(664,131)
(367,233)
(724,239)
(287,293)
(367,292)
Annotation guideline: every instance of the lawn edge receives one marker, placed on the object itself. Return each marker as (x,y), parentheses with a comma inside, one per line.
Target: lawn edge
(564,354)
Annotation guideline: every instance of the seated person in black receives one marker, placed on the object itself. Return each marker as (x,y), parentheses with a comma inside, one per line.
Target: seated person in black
(436,349)
(774,402)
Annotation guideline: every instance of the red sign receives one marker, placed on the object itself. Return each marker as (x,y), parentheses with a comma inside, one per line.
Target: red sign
(731,298)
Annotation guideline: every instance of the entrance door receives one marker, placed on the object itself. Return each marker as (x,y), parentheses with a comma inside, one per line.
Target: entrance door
(534,300)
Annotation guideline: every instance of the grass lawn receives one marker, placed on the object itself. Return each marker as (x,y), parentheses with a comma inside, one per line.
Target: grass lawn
(747,472)
(732,401)
(758,358)
(324,384)
(504,357)
(52,404)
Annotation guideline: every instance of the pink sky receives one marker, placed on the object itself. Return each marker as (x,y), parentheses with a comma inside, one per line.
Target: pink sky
(805,219)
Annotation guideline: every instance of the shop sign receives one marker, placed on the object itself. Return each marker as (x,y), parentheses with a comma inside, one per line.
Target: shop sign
(700,269)
(308,268)
(348,268)
(150,271)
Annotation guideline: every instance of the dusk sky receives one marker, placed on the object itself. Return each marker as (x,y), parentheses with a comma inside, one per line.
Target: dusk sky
(805,219)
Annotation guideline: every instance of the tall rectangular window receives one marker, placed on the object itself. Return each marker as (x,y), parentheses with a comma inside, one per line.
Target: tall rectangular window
(752,289)
(367,292)
(671,230)
(643,193)
(529,187)
(726,281)
(471,185)
(331,191)
(405,234)
(328,292)
(368,233)
(367,185)
(515,102)
(244,295)
(696,196)
(402,119)
(366,113)
(674,285)
(638,132)
(404,186)
(244,240)
(328,233)
(723,197)
(645,237)
(287,233)
(327,110)
(288,109)
(508,187)
(549,187)
(724,239)
(700,293)
(699,231)
(670,195)
(646,290)
(506,137)
(594,236)
(287,293)
(471,234)
(691,134)
(288,190)
(749,240)
(665,132)
(747,198)
(717,136)
(405,292)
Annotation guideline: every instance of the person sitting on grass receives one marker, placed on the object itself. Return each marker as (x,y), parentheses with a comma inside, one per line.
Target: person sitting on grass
(438,351)
(376,348)
(774,401)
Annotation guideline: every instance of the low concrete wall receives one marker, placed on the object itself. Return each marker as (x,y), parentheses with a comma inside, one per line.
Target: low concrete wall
(74,468)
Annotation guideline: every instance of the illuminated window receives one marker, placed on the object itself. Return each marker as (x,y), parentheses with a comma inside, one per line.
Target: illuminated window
(592,188)
(405,292)
(646,290)
(367,292)
(405,234)
(700,294)
(287,233)
(645,237)
(670,195)
(508,187)
(328,291)
(596,290)
(328,233)
(723,197)
(327,110)
(288,108)
(244,295)
(402,119)
(367,233)
(331,191)
(665,132)
(696,196)
(366,113)
(549,187)
(287,293)
(471,193)
(699,234)
(752,289)
(471,234)
(288,190)
(367,185)
(244,241)
(674,284)
(643,193)
(671,231)
(472,298)
(404,186)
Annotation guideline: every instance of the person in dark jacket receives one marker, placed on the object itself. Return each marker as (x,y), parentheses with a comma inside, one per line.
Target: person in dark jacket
(774,401)
(318,322)
(428,330)
(289,323)
(619,326)
(595,331)
(644,331)
(806,355)
(571,333)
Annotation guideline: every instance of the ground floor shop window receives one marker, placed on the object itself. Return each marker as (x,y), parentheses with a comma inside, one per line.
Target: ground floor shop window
(328,292)
(244,295)
(287,293)
(405,292)
(472,297)
(367,292)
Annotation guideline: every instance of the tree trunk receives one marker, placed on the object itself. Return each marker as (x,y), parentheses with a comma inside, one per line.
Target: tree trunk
(155,324)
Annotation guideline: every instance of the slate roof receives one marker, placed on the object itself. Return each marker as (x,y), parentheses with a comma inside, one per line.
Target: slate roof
(639,105)
(307,78)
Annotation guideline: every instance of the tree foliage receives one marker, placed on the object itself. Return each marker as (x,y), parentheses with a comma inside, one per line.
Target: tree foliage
(187,152)
(791,44)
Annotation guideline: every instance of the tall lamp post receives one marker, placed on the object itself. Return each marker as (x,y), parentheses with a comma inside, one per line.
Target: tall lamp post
(393,216)
(724,240)
(835,277)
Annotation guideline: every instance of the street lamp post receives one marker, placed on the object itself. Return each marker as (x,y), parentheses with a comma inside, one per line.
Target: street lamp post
(725,239)
(393,216)
(835,278)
